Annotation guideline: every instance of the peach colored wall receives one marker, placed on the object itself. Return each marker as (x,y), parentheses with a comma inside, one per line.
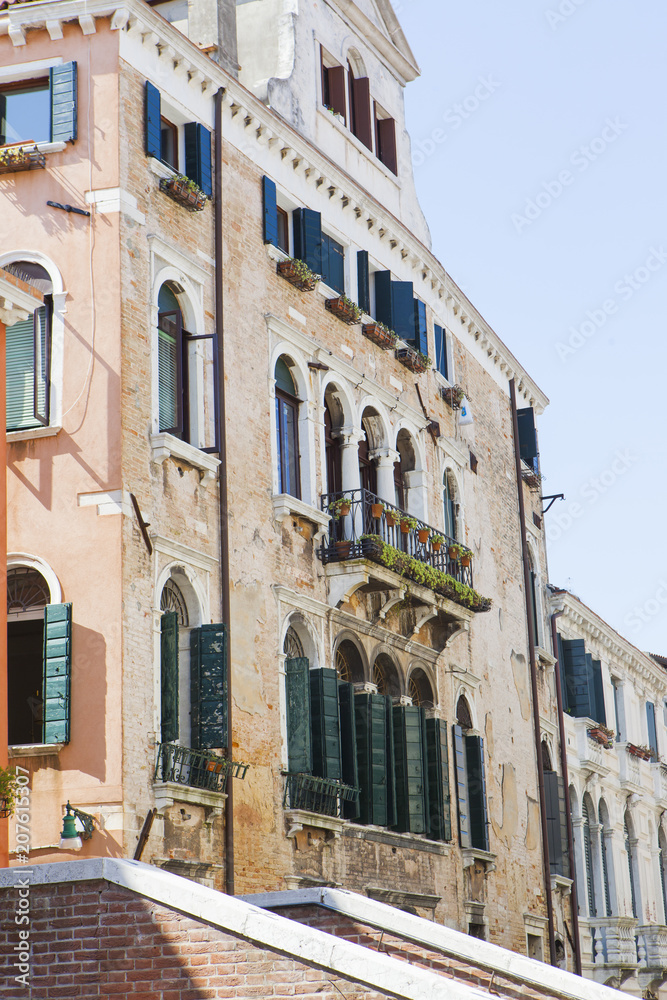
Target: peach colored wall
(45,475)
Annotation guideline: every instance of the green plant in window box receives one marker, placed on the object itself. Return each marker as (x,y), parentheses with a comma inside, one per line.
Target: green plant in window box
(380,335)
(345,309)
(641,750)
(8,789)
(340,508)
(408,524)
(185,191)
(456,550)
(298,274)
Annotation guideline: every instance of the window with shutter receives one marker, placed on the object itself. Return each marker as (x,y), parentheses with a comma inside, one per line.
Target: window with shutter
(169,676)
(172,358)
(479,822)
(441,351)
(600,714)
(371,715)
(410,769)
(348,745)
(25,111)
(439,805)
(333,264)
(650,726)
(198,155)
(270,210)
(385,141)
(57,673)
(421,334)
(403,310)
(552,802)
(588,862)
(325,723)
(580,695)
(152,121)
(297,696)
(308,237)
(63,81)
(363,282)
(360,95)
(383,302)
(527,436)
(461,772)
(208,686)
(28,354)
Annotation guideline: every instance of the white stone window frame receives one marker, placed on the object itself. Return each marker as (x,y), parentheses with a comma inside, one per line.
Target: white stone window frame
(449,466)
(416,479)
(299,614)
(534,559)
(439,377)
(38,69)
(170,265)
(59,296)
(307,418)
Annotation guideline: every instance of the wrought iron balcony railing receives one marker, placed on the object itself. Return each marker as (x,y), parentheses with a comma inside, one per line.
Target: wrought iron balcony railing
(195,768)
(348,534)
(319,795)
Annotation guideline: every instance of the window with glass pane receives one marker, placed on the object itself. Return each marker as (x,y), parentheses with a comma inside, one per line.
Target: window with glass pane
(25,112)
(170,363)
(449,503)
(287,432)
(28,356)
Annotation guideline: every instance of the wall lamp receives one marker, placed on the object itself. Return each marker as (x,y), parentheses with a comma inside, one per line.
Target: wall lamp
(71,839)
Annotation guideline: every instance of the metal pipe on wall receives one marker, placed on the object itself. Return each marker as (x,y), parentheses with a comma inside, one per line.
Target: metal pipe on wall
(533,680)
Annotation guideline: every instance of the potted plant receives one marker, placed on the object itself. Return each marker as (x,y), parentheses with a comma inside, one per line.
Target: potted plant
(437,541)
(298,274)
(408,524)
(343,548)
(391,517)
(453,395)
(340,508)
(414,360)
(466,557)
(345,309)
(336,114)
(380,335)
(377,510)
(185,191)
(602,735)
(8,789)
(641,751)
(422,535)
(21,156)
(455,550)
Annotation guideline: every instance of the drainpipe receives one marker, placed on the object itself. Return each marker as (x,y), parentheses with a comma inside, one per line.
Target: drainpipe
(224,519)
(574,907)
(533,681)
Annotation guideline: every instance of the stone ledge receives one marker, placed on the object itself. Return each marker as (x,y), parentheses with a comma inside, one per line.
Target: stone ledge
(407,841)
(168,793)
(164,446)
(298,818)
(285,506)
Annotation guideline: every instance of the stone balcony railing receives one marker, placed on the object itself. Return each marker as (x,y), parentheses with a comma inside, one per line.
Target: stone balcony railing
(630,769)
(593,757)
(659,772)
(652,946)
(609,941)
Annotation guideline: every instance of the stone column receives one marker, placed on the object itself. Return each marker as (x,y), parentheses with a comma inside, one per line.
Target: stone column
(384,459)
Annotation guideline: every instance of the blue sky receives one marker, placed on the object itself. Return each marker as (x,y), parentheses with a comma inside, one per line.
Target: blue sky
(538,132)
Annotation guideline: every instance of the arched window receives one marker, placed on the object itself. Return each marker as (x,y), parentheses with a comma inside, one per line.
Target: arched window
(28,352)
(360,99)
(449,505)
(287,430)
(470,781)
(463,716)
(588,860)
(420,690)
(332,447)
(385,676)
(374,438)
(172,365)
(607,859)
(628,830)
(349,665)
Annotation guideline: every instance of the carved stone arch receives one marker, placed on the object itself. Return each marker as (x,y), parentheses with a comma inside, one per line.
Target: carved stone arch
(15,560)
(336,395)
(297,366)
(307,636)
(420,685)
(351,55)
(385,672)
(191,589)
(465,711)
(349,658)
(379,424)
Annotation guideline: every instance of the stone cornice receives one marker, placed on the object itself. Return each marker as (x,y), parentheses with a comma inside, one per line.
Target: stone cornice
(586,622)
(432,282)
(395,51)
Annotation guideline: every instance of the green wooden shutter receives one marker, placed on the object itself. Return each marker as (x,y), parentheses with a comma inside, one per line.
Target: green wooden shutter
(383,300)
(552,804)
(527,435)
(479,822)
(460,767)
(363,282)
(198,155)
(299,744)
(57,669)
(170,378)
(270,210)
(561,671)
(439,805)
(63,102)
(650,724)
(577,678)
(597,690)
(348,745)
(20,360)
(153,122)
(42,367)
(392,811)
(208,686)
(333,264)
(403,310)
(308,238)
(563,805)
(410,769)
(370,713)
(169,676)
(421,334)
(325,723)
(441,350)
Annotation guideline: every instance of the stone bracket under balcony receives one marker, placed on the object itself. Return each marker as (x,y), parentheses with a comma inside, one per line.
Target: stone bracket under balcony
(344,579)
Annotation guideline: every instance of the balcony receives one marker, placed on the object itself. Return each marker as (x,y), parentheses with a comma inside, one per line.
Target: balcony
(630,773)
(593,757)
(609,943)
(197,776)
(323,796)
(365,527)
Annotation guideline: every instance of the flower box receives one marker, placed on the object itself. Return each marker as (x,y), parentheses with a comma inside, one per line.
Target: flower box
(344,309)
(20,157)
(380,335)
(185,192)
(453,395)
(298,274)
(415,361)
(644,753)
(601,737)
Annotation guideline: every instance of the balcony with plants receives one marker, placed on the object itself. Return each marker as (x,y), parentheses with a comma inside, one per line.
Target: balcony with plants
(203,770)
(364,526)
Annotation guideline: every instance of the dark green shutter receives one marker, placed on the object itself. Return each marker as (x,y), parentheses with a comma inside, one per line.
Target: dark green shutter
(153,122)
(421,335)
(63,102)
(563,805)
(325,723)
(552,803)
(479,822)
(20,361)
(460,769)
(57,669)
(41,385)
(650,723)
(439,807)
(441,350)
(169,676)
(363,282)
(410,769)
(299,744)
(527,435)
(270,209)
(577,677)
(308,238)
(561,671)
(208,686)
(403,310)
(383,308)
(348,745)
(600,714)
(370,711)
(392,811)
(198,155)
(333,264)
